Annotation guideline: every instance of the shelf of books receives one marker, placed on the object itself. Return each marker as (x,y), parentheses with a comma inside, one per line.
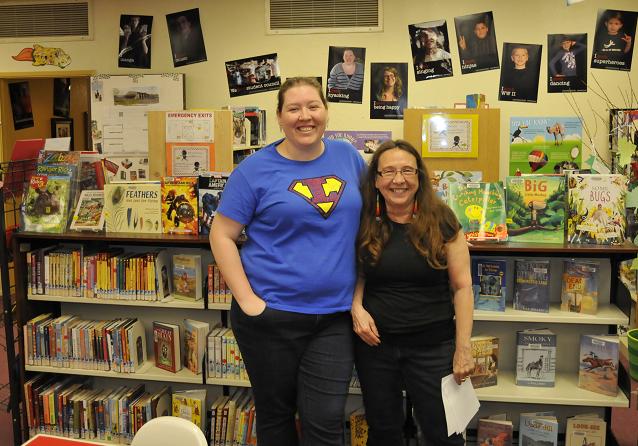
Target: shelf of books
(565,392)
(607,314)
(147,372)
(228,382)
(165,303)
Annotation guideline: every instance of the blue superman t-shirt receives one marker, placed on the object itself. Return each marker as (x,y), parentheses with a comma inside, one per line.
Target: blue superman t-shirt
(301,220)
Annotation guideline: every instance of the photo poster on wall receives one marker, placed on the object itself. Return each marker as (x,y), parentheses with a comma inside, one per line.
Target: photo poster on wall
(366,142)
(546,145)
(187,39)
(566,62)
(614,39)
(134,50)
(519,72)
(430,46)
(120,105)
(476,39)
(190,143)
(346,69)
(624,137)
(388,90)
(253,75)
(21,105)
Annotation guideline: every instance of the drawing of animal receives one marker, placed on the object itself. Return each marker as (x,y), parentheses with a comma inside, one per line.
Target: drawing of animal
(535,366)
(557,130)
(517,133)
(595,362)
(41,55)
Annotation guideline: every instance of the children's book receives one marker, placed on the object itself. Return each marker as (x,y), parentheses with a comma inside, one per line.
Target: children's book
(579,292)
(531,285)
(166,346)
(91,175)
(596,208)
(494,430)
(535,358)
(539,428)
(194,344)
(127,168)
(488,282)
(598,370)
(46,205)
(187,277)
(179,205)
(480,208)
(89,212)
(585,430)
(133,207)
(485,354)
(442,179)
(535,208)
(210,194)
(190,405)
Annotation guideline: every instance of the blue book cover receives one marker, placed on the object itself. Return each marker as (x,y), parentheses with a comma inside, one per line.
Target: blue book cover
(488,283)
(531,285)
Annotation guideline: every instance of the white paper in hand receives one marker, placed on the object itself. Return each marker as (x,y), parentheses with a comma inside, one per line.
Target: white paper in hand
(460,404)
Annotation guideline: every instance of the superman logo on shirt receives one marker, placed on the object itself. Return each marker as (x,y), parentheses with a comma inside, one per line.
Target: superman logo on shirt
(322,193)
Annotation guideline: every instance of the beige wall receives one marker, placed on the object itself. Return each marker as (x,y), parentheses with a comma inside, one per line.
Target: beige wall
(234,30)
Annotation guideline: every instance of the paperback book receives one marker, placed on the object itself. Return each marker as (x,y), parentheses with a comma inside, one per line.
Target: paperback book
(133,207)
(531,285)
(195,344)
(210,194)
(596,208)
(488,283)
(536,208)
(589,430)
(89,212)
(480,208)
(579,292)
(179,205)
(190,405)
(494,430)
(535,358)
(187,277)
(46,205)
(538,429)
(166,346)
(598,370)
(485,354)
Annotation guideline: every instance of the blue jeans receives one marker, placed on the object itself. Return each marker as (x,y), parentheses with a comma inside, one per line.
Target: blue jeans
(297,362)
(385,371)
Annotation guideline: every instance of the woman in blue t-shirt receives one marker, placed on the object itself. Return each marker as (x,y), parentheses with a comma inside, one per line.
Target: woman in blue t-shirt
(293,281)
(413,304)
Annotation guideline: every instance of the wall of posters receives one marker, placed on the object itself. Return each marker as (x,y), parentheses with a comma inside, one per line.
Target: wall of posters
(519,73)
(566,62)
(388,90)
(430,45)
(614,39)
(346,69)
(476,38)
(135,41)
(187,40)
(253,75)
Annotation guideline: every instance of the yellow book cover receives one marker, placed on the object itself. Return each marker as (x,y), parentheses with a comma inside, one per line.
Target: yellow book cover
(179,205)
(358,428)
(189,404)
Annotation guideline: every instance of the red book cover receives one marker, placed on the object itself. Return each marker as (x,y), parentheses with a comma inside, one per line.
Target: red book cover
(166,346)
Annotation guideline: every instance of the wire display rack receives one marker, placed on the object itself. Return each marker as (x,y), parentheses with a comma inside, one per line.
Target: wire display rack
(14,179)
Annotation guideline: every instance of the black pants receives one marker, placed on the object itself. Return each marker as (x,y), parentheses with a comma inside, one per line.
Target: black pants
(297,362)
(385,370)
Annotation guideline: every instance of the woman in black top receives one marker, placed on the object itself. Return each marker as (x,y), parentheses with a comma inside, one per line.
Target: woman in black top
(413,304)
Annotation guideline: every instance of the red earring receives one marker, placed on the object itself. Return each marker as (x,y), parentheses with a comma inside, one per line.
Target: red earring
(415,209)
(377,211)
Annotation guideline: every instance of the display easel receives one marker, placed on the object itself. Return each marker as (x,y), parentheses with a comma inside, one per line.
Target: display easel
(488,140)
(157,142)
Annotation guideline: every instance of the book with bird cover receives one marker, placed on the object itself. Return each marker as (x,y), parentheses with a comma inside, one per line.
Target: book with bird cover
(133,207)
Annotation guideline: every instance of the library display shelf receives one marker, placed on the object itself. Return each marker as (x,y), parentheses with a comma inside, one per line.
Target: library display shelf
(175,303)
(228,382)
(565,392)
(608,314)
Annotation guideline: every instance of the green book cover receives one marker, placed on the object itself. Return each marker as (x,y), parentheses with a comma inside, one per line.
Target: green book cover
(480,208)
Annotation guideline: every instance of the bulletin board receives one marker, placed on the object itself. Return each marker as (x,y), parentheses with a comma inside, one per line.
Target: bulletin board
(487,159)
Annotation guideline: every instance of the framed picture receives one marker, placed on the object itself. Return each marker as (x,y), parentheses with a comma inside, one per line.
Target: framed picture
(449,135)
(62,128)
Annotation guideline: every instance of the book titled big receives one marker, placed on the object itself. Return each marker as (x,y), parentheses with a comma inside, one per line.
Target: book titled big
(531,285)
(488,283)
(166,346)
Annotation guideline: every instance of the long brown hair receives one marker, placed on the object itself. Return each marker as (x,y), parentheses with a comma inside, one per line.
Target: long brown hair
(434,223)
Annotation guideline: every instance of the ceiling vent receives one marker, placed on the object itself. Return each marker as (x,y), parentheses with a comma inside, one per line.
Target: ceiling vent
(30,21)
(323,16)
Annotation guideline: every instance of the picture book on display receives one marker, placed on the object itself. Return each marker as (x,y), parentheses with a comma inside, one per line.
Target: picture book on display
(133,207)
(488,282)
(194,344)
(598,369)
(187,277)
(480,208)
(166,346)
(441,180)
(579,292)
(531,285)
(535,358)
(495,429)
(535,208)
(485,354)
(190,405)
(91,176)
(538,429)
(46,204)
(89,212)
(585,429)
(596,208)
(179,205)
(210,194)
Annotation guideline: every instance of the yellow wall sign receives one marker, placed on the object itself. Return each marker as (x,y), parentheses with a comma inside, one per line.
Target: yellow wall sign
(445,135)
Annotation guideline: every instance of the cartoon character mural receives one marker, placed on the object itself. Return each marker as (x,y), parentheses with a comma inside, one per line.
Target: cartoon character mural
(41,55)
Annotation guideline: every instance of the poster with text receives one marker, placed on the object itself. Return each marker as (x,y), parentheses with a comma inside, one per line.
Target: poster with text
(476,39)
(366,142)
(614,39)
(519,72)
(187,40)
(346,68)
(431,56)
(545,144)
(253,75)
(388,90)
(134,50)
(566,62)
